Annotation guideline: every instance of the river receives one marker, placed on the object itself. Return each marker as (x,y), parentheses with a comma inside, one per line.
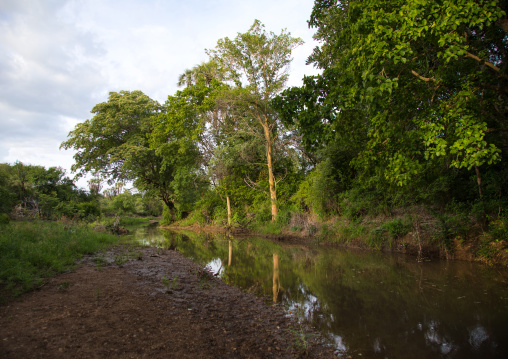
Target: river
(367,304)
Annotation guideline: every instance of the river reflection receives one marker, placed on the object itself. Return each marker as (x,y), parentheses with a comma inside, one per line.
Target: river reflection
(368,303)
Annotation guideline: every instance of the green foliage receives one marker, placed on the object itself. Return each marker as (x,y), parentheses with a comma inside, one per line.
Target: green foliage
(452,223)
(89,211)
(397,228)
(149,206)
(39,192)
(495,239)
(405,84)
(114,144)
(4,218)
(359,202)
(33,251)
(7,193)
(254,78)
(123,203)
(167,216)
(176,132)
(388,232)
(498,229)
(318,192)
(351,231)
(409,111)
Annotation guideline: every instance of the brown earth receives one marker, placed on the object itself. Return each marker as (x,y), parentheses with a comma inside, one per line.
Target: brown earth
(148,303)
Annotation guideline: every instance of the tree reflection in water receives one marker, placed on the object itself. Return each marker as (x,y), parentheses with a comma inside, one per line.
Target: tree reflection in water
(367,303)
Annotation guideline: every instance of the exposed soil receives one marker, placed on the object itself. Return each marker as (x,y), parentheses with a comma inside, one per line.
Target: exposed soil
(152,303)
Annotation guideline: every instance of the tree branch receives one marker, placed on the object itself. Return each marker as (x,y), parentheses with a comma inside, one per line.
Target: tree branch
(282,178)
(426,79)
(253,185)
(481,61)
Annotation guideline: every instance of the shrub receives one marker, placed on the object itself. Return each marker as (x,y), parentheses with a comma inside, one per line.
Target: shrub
(397,228)
(167,216)
(89,211)
(4,218)
(498,229)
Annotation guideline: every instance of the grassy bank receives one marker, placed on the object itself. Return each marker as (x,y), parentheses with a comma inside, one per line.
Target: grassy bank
(33,251)
(416,230)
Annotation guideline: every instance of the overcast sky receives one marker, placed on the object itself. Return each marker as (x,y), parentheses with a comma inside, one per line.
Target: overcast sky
(59,58)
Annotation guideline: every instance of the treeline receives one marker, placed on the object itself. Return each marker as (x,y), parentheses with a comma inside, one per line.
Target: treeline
(36,192)
(407,121)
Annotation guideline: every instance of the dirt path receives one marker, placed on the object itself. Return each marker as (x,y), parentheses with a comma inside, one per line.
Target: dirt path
(154,304)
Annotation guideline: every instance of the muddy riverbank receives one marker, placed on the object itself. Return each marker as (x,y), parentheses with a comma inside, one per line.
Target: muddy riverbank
(148,302)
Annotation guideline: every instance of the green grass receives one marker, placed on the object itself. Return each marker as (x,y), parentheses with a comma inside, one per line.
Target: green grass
(30,252)
(132,221)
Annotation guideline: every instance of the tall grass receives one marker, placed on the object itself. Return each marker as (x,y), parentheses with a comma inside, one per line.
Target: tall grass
(33,251)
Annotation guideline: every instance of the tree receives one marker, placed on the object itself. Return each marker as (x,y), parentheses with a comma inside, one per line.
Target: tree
(223,144)
(425,81)
(7,192)
(114,145)
(175,138)
(206,71)
(256,65)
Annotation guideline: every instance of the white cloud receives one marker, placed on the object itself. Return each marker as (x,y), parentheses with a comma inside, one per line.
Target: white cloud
(59,58)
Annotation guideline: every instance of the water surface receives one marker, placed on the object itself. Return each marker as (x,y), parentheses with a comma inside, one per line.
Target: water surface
(366,303)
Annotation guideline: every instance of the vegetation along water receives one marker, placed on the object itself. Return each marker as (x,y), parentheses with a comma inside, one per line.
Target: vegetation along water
(399,144)
(403,131)
(368,303)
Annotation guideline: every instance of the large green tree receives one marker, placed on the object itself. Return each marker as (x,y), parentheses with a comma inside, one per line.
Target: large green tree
(177,135)
(114,145)
(419,81)
(255,64)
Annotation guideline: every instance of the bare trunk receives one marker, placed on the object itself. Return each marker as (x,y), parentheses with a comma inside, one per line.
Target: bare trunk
(271,179)
(479,180)
(229,210)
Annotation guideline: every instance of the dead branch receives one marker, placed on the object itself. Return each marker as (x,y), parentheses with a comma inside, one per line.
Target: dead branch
(253,185)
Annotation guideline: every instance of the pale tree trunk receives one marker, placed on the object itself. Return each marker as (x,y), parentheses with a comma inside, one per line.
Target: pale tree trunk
(271,179)
(229,210)
(275,281)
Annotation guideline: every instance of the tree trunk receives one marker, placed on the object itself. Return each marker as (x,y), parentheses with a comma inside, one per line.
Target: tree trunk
(271,179)
(229,210)
(479,180)
(171,207)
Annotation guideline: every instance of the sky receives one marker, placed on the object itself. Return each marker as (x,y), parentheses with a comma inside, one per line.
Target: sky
(59,58)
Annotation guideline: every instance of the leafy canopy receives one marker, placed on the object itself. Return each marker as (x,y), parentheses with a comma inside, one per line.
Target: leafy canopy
(423,81)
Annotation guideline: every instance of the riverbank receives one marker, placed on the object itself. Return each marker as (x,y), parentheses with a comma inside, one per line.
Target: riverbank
(148,302)
(423,237)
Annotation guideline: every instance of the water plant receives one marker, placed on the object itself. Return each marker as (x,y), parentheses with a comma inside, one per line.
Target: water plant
(300,342)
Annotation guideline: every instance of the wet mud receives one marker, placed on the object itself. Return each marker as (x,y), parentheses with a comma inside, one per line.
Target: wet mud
(140,302)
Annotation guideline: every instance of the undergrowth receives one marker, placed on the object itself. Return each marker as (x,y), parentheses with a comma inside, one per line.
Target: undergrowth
(30,252)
